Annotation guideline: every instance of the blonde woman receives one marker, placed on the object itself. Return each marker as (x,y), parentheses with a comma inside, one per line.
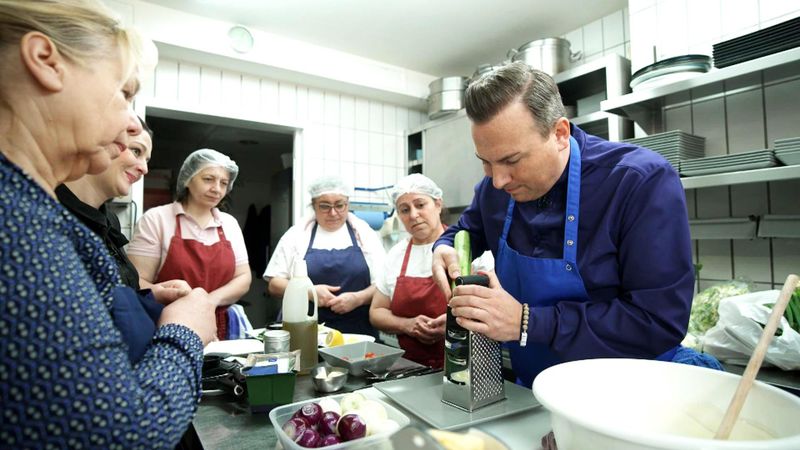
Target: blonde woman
(68,74)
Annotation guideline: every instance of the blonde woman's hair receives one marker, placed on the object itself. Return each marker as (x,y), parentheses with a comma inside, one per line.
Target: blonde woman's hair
(82,30)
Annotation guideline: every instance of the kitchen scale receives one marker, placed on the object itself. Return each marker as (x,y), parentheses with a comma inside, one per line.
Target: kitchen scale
(422,397)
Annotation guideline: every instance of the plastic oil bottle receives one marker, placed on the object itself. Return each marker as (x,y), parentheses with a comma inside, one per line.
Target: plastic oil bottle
(301,326)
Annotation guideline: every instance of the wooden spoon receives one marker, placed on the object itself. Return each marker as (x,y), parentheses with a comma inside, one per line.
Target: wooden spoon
(735,407)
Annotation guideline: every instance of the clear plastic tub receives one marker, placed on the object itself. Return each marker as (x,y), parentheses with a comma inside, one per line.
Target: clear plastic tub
(280,415)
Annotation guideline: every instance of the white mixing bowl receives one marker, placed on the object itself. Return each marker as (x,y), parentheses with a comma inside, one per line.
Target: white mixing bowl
(626,404)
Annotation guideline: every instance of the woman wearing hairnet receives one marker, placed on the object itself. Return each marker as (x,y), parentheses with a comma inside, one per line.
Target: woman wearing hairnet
(343,255)
(407,302)
(190,239)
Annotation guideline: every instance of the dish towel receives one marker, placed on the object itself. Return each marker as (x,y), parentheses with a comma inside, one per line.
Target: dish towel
(238,324)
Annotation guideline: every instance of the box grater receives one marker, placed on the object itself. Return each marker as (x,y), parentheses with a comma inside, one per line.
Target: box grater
(473,363)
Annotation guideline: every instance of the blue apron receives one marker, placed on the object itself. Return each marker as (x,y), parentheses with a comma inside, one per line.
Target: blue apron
(347,269)
(545,281)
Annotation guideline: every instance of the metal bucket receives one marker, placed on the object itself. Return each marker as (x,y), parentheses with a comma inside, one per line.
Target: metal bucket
(551,55)
(446,96)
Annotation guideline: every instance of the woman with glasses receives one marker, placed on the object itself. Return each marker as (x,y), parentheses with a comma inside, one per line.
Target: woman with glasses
(191,239)
(343,255)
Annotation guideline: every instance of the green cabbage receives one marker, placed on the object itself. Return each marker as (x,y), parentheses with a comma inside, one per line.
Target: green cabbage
(705,305)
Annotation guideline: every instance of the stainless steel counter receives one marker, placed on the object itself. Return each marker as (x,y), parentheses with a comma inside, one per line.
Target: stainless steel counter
(225,424)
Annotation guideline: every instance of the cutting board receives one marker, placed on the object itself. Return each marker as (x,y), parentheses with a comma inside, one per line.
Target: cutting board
(422,397)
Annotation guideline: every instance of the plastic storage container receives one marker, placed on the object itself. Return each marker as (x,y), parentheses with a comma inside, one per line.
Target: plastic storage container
(265,392)
(280,415)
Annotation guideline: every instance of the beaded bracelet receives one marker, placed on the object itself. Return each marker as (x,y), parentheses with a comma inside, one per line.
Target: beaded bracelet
(523,337)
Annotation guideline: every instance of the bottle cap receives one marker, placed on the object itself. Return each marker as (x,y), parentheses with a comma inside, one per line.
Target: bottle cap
(300,268)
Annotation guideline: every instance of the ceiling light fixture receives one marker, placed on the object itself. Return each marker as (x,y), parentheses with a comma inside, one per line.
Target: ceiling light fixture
(241,39)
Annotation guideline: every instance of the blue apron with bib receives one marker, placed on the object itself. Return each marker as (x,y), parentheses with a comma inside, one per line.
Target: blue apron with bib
(545,281)
(347,269)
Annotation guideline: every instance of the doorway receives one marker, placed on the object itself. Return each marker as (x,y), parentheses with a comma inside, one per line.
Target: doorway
(261,199)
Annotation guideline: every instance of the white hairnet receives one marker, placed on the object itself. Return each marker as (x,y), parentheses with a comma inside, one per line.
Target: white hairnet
(199,160)
(416,183)
(329,184)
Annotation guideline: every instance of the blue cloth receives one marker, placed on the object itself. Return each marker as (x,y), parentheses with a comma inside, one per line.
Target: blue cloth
(135,316)
(348,269)
(634,252)
(238,324)
(685,355)
(67,381)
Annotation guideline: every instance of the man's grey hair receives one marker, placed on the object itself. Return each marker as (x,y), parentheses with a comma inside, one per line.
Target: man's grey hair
(515,81)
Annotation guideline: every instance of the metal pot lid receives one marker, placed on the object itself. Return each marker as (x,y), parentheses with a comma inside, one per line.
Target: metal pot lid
(547,42)
(690,62)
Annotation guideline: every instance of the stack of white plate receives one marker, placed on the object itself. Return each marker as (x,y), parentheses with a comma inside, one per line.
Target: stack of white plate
(757,159)
(675,146)
(788,150)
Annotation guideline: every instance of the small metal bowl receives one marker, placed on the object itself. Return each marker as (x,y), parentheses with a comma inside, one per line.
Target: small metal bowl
(327,378)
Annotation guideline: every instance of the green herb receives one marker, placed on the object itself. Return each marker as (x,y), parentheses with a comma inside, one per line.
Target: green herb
(792,311)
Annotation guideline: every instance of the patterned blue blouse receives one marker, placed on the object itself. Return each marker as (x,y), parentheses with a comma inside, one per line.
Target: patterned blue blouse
(65,377)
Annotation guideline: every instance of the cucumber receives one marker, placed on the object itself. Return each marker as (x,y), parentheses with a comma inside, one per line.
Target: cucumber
(464,253)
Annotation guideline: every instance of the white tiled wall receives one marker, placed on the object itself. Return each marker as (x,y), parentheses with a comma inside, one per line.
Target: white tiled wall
(746,119)
(661,29)
(360,139)
(604,36)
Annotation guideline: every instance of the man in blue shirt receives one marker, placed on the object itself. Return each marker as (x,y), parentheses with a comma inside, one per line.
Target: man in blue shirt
(590,237)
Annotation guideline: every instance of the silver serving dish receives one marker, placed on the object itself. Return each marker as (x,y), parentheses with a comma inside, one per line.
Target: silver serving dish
(671,70)
(362,355)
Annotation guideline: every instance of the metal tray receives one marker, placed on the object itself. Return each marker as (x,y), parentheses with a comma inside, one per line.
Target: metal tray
(422,397)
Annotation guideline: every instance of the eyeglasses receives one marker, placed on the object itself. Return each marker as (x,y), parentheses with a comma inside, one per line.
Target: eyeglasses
(326,207)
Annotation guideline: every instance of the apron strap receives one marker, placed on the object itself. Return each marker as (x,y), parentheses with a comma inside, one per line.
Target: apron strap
(509,214)
(352,233)
(221,233)
(573,202)
(405,259)
(178,226)
(313,235)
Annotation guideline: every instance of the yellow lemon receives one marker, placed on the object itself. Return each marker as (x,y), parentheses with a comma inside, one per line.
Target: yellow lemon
(334,338)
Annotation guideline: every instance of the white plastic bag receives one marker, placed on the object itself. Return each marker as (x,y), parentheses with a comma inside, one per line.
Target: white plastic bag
(733,339)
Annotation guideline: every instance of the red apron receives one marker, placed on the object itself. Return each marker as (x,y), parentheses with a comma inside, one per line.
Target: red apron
(414,296)
(207,266)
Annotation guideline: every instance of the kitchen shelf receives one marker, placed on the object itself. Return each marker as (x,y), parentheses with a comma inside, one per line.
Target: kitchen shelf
(742,177)
(644,106)
(724,228)
(775,226)
(591,118)
(608,76)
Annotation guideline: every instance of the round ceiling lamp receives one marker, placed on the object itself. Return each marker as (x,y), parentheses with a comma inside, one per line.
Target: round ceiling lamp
(241,39)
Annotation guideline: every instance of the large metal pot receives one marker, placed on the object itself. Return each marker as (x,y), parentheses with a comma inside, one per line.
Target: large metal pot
(551,55)
(482,69)
(446,96)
